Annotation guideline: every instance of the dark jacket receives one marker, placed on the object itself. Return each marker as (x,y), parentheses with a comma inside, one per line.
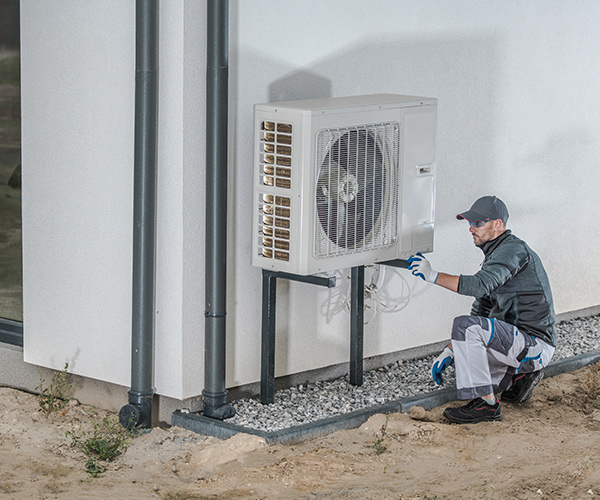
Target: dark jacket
(512,286)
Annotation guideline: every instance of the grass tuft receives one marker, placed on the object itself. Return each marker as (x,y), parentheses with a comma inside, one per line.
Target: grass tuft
(55,397)
(379,438)
(105,442)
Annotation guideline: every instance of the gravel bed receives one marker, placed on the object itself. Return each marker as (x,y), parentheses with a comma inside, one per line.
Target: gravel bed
(307,403)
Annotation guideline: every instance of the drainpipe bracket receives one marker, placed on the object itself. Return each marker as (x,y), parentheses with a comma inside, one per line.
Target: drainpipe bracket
(210,314)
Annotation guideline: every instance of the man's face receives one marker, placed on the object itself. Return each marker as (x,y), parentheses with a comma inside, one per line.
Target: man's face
(490,230)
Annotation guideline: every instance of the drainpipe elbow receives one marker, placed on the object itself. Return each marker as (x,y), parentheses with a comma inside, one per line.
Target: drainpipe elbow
(215,406)
(138,413)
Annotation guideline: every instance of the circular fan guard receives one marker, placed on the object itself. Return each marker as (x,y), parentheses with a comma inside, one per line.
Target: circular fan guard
(350,185)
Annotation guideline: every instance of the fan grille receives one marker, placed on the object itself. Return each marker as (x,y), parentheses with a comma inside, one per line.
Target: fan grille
(356,189)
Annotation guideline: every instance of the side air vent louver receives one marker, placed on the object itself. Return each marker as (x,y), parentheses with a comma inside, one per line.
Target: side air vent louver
(276,157)
(274,226)
(275,171)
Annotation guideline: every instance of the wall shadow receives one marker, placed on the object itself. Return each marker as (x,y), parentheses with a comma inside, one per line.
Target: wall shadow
(441,68)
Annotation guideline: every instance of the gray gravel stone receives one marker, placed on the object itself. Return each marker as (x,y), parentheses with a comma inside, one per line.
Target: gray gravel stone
(401,379)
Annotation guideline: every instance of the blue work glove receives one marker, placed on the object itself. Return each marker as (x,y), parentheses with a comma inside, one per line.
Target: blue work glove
(421,267)
(440,363)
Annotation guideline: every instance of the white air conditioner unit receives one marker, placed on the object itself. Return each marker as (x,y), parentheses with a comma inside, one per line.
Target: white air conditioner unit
(343,182)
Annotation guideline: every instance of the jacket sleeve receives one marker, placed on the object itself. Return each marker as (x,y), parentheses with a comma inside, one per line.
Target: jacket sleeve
(504,263)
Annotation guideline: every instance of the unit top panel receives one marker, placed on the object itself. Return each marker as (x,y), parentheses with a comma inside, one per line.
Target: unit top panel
(348,103)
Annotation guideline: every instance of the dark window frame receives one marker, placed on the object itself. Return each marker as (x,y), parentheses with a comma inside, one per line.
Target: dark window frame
(11,332)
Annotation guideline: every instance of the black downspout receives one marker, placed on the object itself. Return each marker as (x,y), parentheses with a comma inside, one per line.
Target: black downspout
(138,413)
(214,394)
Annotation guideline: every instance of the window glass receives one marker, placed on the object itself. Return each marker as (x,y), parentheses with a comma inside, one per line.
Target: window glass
(11,285)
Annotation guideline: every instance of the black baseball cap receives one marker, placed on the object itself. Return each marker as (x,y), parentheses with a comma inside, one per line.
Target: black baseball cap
(486,207)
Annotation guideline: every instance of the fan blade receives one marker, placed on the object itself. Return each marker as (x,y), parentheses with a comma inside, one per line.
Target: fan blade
(341,236)
(328,182)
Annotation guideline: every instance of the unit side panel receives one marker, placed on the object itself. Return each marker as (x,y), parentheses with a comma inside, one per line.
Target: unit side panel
(418,181)
(305,197)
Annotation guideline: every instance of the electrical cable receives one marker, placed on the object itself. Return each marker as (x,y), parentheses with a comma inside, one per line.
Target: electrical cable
(378,295)
(337,296)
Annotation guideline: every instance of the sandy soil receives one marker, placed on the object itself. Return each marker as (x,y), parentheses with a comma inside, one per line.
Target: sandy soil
(546,448)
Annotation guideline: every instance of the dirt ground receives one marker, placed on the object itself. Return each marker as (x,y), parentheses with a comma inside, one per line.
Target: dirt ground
(548,447)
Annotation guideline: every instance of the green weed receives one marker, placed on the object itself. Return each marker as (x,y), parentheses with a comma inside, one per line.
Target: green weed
(55,397)
(103,443)
(379,437)
(591,463)
(93,467)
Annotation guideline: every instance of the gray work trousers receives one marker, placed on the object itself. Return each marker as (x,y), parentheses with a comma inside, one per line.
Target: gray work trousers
(489,352)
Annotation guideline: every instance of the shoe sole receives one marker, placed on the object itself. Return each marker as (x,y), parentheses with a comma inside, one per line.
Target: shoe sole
(521,398)
(458,420)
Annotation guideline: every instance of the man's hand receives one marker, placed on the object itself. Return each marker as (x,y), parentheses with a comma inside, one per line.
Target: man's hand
(421,267)
(440,363)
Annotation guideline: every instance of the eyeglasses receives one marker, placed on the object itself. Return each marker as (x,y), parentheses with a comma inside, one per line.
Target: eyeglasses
(478,223)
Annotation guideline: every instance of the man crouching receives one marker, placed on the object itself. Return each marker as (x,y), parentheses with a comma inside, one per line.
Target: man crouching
(509,337)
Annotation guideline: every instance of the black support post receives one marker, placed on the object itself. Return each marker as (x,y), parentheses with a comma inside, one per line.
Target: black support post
(357,316)
(269,301)
(267,375)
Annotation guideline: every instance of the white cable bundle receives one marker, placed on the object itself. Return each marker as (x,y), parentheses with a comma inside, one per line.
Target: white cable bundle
(380,293)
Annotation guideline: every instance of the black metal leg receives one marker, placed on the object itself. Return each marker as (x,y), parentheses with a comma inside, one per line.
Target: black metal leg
(269,287)
(267,376)
(357,313)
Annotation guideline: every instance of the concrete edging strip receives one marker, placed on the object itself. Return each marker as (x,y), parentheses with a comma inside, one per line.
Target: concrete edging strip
(223,430)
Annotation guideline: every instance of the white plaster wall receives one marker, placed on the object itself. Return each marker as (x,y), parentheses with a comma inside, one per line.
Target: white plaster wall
(517,85)
(168,342)
(193,192)
(78,77)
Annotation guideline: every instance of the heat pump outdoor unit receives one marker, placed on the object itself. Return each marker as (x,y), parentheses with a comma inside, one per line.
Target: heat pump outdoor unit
(343,182)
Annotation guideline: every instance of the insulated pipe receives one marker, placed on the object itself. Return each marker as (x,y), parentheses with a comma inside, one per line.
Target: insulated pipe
(214,394)
(138,413)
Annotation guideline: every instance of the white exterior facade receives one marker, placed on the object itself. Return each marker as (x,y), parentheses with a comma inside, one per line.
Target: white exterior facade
(517,85)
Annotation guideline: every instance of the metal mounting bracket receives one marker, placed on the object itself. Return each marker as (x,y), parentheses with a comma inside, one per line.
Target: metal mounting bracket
(269,302)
